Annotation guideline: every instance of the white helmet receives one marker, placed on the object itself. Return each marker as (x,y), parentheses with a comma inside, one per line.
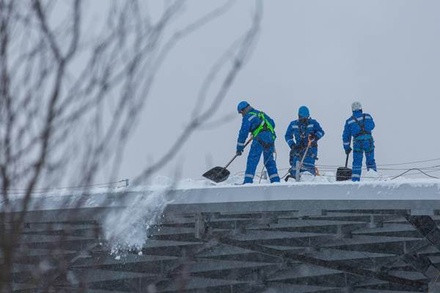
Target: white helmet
(356,106)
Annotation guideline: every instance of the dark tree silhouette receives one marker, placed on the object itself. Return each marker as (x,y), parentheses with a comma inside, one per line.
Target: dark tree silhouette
(70,97)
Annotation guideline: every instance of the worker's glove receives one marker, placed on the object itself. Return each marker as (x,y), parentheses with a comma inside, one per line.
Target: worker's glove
(348,150)
(294,148)
(312,137)
(238,153)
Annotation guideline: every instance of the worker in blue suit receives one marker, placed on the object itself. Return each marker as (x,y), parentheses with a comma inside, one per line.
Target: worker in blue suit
(359,126)
(261,127)
(298,134)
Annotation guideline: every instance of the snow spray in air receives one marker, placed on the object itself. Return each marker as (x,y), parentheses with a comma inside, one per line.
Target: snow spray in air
(128,228)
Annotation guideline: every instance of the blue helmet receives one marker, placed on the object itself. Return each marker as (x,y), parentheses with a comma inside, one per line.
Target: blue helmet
(303,112)
(241,106)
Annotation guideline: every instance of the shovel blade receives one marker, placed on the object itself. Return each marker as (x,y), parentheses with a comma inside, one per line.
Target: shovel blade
(343,174)
(217,174)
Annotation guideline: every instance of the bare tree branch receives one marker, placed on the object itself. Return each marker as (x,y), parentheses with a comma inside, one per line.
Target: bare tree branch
(70,99)
(197,120)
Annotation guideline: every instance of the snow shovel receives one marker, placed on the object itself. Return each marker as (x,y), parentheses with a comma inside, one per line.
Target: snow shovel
(300,164)
(219,174)
(344,173)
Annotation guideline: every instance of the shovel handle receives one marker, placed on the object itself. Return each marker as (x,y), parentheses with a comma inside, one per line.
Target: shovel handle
(227,165)
(346,160)
(309,143)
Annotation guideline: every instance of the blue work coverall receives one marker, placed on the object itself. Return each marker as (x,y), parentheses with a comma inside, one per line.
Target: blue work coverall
(359,126)
(263,142)
(296,136)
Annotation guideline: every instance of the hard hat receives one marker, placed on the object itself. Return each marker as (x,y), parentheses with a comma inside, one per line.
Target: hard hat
(303,112)
(356,106)
(241,106)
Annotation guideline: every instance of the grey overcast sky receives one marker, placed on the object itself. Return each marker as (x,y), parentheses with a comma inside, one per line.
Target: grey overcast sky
(324,54)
